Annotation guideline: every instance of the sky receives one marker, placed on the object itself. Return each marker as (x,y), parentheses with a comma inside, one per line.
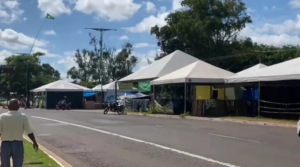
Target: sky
(275,22)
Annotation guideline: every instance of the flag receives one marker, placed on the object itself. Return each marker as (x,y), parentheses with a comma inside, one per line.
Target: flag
(48,16)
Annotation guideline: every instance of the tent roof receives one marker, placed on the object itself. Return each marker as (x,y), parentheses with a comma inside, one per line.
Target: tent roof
(109,86)
(198,72)
(106,87)
(252,69)
(169,63)
(61,86)
(288,70)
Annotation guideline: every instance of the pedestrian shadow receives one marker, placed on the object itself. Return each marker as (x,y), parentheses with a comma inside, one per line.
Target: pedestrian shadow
(32,163)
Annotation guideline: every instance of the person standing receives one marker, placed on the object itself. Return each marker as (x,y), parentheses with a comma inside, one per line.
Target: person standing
(12,126)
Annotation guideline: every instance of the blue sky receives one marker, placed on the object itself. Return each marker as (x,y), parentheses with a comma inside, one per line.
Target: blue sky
(274,22)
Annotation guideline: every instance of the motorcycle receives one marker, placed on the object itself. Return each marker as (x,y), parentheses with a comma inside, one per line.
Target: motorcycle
(63,105)
(114,107)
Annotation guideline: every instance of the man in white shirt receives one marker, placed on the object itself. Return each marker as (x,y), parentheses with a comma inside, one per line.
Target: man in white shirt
(12,126)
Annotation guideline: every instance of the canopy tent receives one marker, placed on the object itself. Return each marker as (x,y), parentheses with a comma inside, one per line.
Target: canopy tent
(288,70)
(88,94)
(197,72)
(61,86)
(251,69)
(169,63)
(109,86)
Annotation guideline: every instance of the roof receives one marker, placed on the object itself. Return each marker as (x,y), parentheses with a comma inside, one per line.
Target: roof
(197,72)
(109,86)
(61,86)
(288,70)
(161,67)
(252,69)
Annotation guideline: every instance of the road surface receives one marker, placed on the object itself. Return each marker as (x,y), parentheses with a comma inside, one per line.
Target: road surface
(91,139)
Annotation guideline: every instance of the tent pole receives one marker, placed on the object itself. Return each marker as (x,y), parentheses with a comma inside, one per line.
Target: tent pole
(184,97)
(258,102)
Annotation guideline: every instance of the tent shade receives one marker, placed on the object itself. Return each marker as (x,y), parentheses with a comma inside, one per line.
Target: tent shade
(251,69)
(61,86)
(198,72)
(109,86)
(169,63)
(288,70)
(88,94)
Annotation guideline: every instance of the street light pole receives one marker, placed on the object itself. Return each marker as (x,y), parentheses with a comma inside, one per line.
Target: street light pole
(101,30)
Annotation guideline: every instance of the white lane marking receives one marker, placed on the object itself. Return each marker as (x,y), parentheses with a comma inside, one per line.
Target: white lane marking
(144,142)
(236,138)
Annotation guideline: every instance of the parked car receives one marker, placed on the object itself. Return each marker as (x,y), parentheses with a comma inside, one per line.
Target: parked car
(298,127)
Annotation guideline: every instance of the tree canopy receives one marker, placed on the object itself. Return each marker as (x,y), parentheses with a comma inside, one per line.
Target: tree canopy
(13,73)
(209,29)
(114,66)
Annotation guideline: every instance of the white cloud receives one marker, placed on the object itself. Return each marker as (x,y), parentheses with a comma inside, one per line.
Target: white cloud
(294,3)
(54,7)
(68,60)
(4,54)
(10,11)
(159,20)
(143,45)
(150,7)
(47,53)
(112,10)
(24,18)
(148,22)
(124,37)
(285,33)
(50,32)
(176,5)
(13,40)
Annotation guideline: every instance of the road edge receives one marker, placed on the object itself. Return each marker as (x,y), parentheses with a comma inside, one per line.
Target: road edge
(218,120)
(51,155)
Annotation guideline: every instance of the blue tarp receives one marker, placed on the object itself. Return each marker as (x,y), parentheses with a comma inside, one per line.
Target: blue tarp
(88,94)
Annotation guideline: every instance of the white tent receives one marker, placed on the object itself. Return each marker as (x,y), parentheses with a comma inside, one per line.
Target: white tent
(288,70)
(198,72)
(251,69)
(109,86)
(61,86)
(169,63)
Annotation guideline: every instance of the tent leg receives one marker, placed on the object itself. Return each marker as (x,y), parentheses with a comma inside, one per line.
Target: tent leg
(185,97)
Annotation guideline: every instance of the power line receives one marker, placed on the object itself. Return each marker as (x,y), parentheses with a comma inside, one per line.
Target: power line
(247,54)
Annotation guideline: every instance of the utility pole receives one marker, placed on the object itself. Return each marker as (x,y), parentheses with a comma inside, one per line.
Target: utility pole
(101,30)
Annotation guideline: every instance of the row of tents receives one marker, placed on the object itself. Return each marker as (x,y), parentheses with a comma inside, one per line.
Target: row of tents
(179,67)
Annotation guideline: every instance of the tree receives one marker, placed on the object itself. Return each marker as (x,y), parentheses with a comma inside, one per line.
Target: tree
(114,65)
(14,80)
(86,65)
(205,28)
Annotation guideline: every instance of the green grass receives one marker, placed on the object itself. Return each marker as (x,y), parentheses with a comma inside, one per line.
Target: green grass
(36,159)
(261,119)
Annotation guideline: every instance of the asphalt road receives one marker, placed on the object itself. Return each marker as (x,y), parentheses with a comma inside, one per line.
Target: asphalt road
(86,138)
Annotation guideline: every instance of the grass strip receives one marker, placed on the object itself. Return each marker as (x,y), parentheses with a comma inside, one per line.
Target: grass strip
(36,159)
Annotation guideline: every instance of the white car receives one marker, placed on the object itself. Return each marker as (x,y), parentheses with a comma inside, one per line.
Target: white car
(298,127)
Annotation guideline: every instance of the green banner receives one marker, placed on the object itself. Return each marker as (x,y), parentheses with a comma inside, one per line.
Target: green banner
(145,86)
(125,86)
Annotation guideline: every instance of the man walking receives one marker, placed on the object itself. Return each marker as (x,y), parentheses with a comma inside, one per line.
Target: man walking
(12,126)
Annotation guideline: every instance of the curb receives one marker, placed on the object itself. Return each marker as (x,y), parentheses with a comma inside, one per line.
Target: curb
(218,120)
(53,156)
